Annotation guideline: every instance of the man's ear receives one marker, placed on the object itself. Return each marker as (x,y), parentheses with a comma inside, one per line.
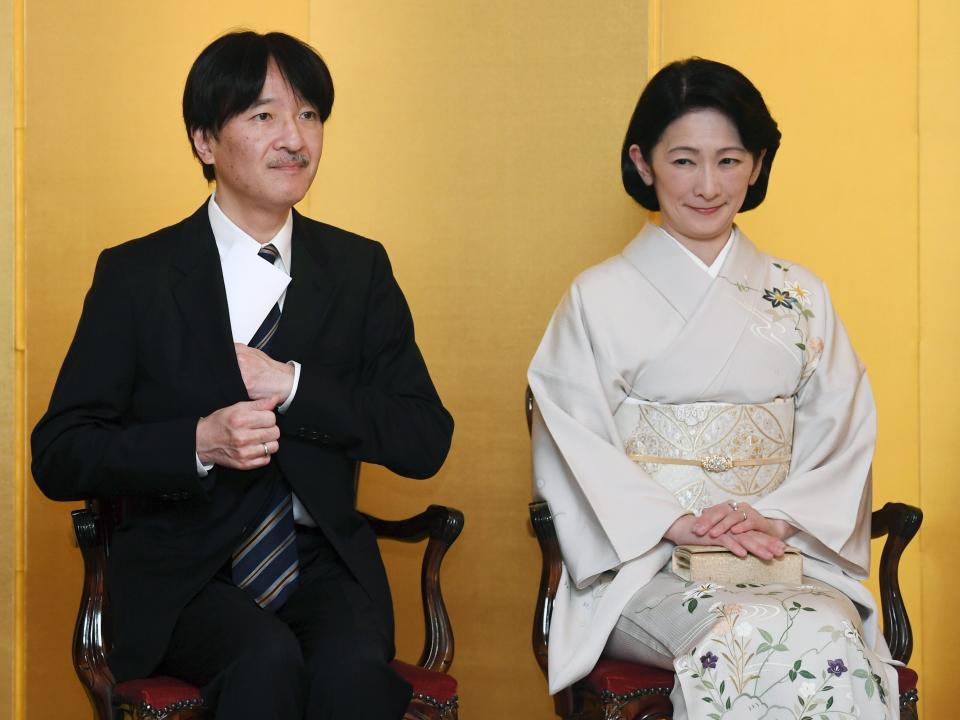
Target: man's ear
(203,145)
(646,172)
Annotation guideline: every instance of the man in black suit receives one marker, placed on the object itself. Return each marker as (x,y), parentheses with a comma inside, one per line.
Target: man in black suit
(241,564)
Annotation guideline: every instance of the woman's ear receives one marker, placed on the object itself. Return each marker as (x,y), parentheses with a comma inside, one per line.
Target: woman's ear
(757,166)
(646,172)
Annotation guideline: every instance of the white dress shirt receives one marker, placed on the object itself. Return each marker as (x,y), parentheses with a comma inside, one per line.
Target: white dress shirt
(227,236)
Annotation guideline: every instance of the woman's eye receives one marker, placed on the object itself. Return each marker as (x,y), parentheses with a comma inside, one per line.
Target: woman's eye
(730,161)
(683,161)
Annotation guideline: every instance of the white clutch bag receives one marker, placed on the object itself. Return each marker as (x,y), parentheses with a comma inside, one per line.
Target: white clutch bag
(713,563)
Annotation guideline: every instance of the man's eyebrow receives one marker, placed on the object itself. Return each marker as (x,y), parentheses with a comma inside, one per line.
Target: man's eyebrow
(259,102)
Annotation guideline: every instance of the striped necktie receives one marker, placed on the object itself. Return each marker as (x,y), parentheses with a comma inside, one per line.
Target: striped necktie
(266,563)
(264,334)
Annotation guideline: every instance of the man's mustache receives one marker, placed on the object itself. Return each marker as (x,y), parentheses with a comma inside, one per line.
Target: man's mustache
(299,159)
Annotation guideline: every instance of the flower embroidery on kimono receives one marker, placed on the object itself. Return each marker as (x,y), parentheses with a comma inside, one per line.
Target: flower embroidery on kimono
(779,298)
(801,295)
(692,597)
(709,661)
(836,667)
(789,302)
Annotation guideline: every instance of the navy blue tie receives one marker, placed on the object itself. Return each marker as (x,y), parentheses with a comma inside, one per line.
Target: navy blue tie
(264,334)
(266,563)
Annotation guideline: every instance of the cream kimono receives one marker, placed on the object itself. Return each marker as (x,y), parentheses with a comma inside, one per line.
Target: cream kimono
(648,325)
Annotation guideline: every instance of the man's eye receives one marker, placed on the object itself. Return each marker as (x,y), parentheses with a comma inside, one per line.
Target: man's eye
(262,116)
(309,115)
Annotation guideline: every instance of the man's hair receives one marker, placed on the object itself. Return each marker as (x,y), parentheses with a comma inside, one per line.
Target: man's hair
(697,84)
(228,76)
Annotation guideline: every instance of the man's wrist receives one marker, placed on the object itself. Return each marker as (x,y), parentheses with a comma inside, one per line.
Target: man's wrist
(294,367)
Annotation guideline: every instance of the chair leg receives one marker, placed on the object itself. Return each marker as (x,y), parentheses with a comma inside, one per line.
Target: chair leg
(908,705)
(644,707)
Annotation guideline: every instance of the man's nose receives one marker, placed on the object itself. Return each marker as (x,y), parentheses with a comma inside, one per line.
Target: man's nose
(290,135)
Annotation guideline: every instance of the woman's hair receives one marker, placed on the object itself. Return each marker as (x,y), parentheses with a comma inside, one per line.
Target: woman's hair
(698,84)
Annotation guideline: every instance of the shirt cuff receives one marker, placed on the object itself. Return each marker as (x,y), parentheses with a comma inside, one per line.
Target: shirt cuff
(293,390)
(202,469)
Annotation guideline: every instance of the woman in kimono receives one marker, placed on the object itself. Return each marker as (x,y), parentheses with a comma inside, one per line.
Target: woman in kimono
(694,390)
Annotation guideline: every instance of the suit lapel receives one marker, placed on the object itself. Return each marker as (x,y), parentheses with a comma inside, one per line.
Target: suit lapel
(202,301)
(306,305)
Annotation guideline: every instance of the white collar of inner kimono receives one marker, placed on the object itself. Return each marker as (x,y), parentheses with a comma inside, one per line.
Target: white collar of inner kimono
(714,269)
(227,234)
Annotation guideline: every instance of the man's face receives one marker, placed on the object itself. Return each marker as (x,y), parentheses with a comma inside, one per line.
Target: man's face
(266,157)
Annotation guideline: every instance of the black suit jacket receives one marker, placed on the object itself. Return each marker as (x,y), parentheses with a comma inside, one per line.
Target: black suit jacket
(153,353)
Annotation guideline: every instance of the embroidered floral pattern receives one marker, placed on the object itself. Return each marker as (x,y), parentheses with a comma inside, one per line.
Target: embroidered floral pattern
(836,667)
(761,659)
(789,304)
(779,298)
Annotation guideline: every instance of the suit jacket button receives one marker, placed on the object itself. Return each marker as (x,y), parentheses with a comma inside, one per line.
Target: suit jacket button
(326,439)
(302,431)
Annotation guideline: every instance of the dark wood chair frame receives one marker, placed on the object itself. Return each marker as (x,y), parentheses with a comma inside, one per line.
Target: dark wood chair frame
(898,522)
(93,525)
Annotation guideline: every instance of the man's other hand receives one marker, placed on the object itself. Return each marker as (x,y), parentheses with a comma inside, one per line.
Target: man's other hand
(241,436)
(263,376)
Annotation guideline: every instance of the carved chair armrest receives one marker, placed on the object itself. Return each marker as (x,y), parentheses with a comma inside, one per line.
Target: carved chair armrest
(441,526)
(899,522)
(542,522)
(89,638)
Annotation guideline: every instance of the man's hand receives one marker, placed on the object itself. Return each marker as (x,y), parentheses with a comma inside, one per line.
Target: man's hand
(263,376)
(241,436)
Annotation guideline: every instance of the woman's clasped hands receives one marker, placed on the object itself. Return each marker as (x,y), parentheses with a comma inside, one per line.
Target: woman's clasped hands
(736,526)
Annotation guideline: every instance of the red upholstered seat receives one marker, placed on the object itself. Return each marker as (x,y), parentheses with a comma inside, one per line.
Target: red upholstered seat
(621,678)
(907,679)
(163,694)
(428,683)
(159,693)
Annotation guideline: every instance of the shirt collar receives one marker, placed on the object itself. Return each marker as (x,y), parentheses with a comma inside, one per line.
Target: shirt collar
(227,234)
(713,269)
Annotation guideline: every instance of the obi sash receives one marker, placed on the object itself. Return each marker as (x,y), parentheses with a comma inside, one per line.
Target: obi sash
(706,453)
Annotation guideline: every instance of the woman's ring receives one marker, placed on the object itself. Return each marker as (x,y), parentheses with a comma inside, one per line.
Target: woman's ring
(732,504)
(266,452)
(744,513)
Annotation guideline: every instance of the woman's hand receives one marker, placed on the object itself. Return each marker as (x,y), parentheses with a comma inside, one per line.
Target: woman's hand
(692,530)
(738,518)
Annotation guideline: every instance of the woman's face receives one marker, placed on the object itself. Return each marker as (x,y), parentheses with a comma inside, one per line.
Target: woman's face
(700,172)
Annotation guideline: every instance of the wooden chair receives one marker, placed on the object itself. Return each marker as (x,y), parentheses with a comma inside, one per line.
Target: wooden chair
(166,698)
(618,690)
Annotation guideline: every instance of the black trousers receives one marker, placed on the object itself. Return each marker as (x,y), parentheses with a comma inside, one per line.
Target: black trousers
(322,656)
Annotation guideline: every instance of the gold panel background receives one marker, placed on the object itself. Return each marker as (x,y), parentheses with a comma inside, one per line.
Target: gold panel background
(479,142)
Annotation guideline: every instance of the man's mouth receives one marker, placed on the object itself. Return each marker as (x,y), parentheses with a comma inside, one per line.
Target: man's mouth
(293,161)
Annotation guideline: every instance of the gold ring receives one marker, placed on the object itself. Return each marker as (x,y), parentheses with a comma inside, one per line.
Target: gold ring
(744,513)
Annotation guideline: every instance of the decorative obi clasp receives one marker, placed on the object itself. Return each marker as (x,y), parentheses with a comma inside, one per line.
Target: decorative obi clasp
(707,453)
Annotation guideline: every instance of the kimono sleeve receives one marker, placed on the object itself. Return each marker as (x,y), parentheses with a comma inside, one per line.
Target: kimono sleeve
(607,511)
(827,493)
